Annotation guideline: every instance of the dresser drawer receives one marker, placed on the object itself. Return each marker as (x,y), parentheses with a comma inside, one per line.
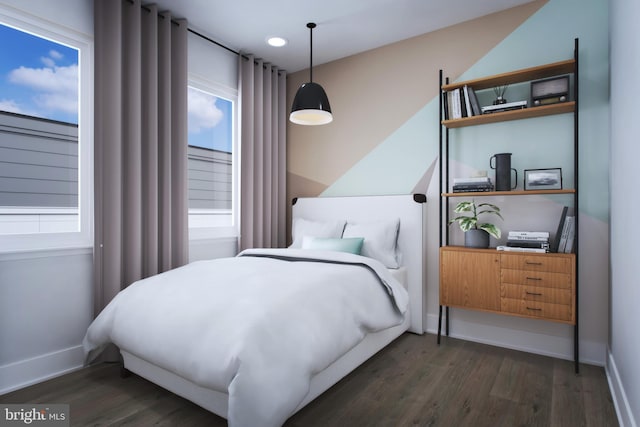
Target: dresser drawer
(535,278)
(536,293)
(557,264)
(537,309)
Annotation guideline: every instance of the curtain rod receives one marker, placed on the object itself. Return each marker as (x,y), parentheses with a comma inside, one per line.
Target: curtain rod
(216,43)
(225,47)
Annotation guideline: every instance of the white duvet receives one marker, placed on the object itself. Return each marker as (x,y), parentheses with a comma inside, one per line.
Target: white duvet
(252,326)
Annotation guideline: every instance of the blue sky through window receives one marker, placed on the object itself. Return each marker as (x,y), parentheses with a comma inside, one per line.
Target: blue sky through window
(210,121)
(38,77)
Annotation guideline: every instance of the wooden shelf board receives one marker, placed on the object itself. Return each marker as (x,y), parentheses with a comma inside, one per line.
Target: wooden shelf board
(510,193)
(518,76)
(525,113)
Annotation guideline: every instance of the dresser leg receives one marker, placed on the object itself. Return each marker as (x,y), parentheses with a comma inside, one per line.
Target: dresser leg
(447,320)
(576,349)
(439,324)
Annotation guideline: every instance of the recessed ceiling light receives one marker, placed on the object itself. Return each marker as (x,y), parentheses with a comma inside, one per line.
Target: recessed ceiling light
(276,41)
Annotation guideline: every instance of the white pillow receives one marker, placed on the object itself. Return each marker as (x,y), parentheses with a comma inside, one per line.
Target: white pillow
(380,240)
(304,227)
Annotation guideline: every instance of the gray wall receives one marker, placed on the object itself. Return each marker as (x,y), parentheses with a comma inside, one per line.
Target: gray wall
(38,162)
(624,346)
(210,174)
(39,166)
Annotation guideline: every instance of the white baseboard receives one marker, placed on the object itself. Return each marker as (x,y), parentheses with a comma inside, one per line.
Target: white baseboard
(24,373)
(625,416)
(493,332)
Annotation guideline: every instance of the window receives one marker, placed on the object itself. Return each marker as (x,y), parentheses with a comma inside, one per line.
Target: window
(212,177)
(45,135)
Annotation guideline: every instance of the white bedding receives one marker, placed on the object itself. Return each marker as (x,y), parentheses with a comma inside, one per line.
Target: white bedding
(253,326)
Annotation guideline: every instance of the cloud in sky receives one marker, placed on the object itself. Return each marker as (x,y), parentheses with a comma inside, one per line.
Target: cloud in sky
(203,112)
(55,88)
(55,54)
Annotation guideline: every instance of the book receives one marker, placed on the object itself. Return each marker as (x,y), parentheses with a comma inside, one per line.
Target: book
(571,234)
(478,185)
(471,180)
(445,104)
(513,249)
(528,239)
(528,234)
(472,188)
(516,105)
(475,105)
(456,111)
(467,101)
(450,105)
(565,234)
(463,105)
(528,244)
(556,240)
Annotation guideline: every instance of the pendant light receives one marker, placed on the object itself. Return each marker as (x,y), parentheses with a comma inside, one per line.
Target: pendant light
(311,105)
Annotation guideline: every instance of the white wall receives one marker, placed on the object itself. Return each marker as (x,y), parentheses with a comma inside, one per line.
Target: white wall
(623,368)
(46,305)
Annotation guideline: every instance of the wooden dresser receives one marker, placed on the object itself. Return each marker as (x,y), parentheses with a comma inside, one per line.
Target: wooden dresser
(540,286)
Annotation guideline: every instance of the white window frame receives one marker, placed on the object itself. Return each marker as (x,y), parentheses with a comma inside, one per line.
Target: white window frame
(233,231)
(84,44)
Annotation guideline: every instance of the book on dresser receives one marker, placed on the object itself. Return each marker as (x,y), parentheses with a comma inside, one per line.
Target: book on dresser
(528,240)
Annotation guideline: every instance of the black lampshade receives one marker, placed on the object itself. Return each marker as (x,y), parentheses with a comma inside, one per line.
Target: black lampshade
(311,106)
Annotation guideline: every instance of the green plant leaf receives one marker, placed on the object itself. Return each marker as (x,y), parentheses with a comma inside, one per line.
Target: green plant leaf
(464,207)
(489,205)
(491,229)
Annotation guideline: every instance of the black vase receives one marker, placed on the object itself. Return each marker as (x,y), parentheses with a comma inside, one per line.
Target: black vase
(503,171)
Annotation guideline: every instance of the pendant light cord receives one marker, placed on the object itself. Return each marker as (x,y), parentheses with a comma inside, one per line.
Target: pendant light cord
(311,26)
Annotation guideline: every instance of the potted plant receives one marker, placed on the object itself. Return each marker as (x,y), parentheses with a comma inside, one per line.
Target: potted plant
(476,235)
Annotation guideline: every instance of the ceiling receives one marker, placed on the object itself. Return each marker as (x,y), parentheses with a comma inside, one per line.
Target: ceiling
(345,27)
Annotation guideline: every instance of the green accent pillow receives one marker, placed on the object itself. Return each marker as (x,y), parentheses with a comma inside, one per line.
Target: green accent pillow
(352,245)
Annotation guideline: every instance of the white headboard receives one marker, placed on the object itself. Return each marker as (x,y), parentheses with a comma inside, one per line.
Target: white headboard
(410,209)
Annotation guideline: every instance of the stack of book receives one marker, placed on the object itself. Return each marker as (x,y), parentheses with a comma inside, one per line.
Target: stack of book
(527,241)
(472,185)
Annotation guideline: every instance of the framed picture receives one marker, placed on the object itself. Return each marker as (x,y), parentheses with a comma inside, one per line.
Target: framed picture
(543,179)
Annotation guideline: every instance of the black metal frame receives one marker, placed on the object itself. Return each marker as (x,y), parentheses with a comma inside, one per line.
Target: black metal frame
(444,201)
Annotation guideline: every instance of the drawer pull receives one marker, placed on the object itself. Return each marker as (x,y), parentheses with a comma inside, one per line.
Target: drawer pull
(533,293)
(534,278)
(534,309)
(532,263)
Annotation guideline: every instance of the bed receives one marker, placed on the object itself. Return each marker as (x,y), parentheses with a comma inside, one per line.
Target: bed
(253,378)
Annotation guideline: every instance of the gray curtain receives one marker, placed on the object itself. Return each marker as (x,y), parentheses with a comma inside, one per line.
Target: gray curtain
(263,117)
(141,207)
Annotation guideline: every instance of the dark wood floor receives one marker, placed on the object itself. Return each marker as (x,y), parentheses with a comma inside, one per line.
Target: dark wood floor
(411,382)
